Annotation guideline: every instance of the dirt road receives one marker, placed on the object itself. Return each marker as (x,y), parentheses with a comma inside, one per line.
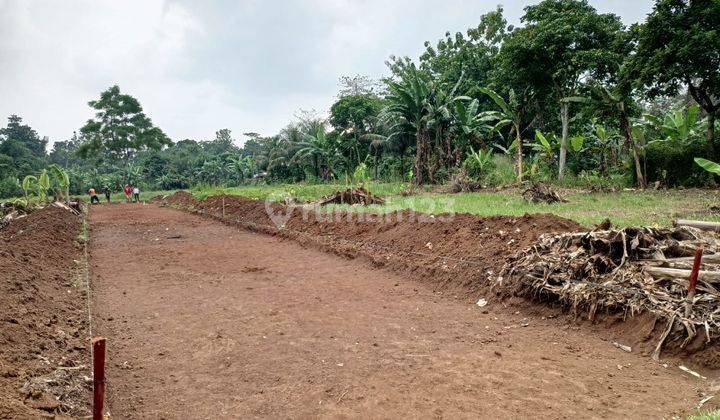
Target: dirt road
(206,321)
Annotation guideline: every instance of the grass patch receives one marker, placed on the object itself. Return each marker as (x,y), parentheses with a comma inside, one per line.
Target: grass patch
(306,192)
(648,208)
(708,415)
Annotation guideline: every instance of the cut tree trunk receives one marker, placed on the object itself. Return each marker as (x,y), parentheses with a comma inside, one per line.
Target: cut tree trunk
(565,117)
(699,224)
(633,147)
(678,273)
(519,154)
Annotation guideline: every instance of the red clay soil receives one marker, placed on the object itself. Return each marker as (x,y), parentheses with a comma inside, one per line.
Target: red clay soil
(461,253)
(205,320)
(181,199)
(43,313)
(457,254)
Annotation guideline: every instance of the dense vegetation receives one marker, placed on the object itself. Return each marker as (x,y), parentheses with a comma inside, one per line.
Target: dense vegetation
(571,95)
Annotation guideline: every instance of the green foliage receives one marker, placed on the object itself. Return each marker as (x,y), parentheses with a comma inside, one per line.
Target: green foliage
(485,88)
(674,164)
(119,130)
(502,171)
(478,164)
(678,126)
(708,165)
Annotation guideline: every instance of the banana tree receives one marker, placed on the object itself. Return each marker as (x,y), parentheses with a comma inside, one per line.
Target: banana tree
(619,101)
(708,165)
(407,113)
(62,180)
(678,126)
(29,184)
(43,185)
(510,114)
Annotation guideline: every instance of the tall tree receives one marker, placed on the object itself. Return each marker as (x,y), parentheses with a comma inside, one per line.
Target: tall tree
(467,56)
(353,117)
(119,130)
(24,134)
(562,42)
(679,46)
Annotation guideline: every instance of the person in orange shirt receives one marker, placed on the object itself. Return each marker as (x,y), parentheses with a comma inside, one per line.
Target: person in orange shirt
(93,196)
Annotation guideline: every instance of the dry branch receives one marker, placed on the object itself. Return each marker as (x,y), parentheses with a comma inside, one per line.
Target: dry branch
(699,224)
(631,270)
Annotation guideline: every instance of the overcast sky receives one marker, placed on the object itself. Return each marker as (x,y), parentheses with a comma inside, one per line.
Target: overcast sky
(198,66)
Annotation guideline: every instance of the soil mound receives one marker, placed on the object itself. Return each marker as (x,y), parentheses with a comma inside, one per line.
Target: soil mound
(181,199)
(459,252)
(239,208)
(43,338)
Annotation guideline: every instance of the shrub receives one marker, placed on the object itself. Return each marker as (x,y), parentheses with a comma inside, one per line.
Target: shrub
(502,172)
(478,164)
(672,163)
(10,187)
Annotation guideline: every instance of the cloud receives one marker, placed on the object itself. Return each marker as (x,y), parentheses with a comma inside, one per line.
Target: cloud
(200,66)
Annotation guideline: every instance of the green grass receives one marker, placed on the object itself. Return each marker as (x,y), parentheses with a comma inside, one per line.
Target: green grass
(306,192)
(708,415)
(650,208)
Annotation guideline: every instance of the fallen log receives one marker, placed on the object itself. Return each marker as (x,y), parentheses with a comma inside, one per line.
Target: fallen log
(677,273)
(699,224)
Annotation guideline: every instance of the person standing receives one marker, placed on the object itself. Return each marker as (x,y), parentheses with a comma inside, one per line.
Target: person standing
(127,190)
(106,191)
(136,194)
(93,196)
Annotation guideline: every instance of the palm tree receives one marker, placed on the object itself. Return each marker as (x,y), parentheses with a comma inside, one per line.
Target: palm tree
(317,147)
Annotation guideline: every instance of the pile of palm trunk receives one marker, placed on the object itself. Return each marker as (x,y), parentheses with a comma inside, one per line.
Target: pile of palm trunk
(630,270)
(540,192)
(351,196)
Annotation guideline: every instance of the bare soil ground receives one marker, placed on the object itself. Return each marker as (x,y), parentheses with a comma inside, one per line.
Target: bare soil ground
(43,318)
(205,320)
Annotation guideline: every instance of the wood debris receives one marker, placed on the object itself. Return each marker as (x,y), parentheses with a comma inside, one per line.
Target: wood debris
(540,192)
(351,196)
(631,270)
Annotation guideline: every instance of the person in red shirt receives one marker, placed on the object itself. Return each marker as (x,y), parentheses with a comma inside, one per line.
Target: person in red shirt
(128,192)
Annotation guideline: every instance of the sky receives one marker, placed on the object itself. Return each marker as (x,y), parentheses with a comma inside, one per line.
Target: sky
(199,66)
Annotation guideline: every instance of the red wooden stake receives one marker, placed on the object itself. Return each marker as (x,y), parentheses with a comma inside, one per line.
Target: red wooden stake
(98,349)
(693,281)
(695,269)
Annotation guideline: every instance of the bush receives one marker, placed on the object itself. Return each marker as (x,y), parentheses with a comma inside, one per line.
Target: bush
(502,172)
(673,164)
(10,187)
(478,164)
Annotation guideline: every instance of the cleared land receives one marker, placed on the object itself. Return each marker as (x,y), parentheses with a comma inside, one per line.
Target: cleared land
(205,320)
